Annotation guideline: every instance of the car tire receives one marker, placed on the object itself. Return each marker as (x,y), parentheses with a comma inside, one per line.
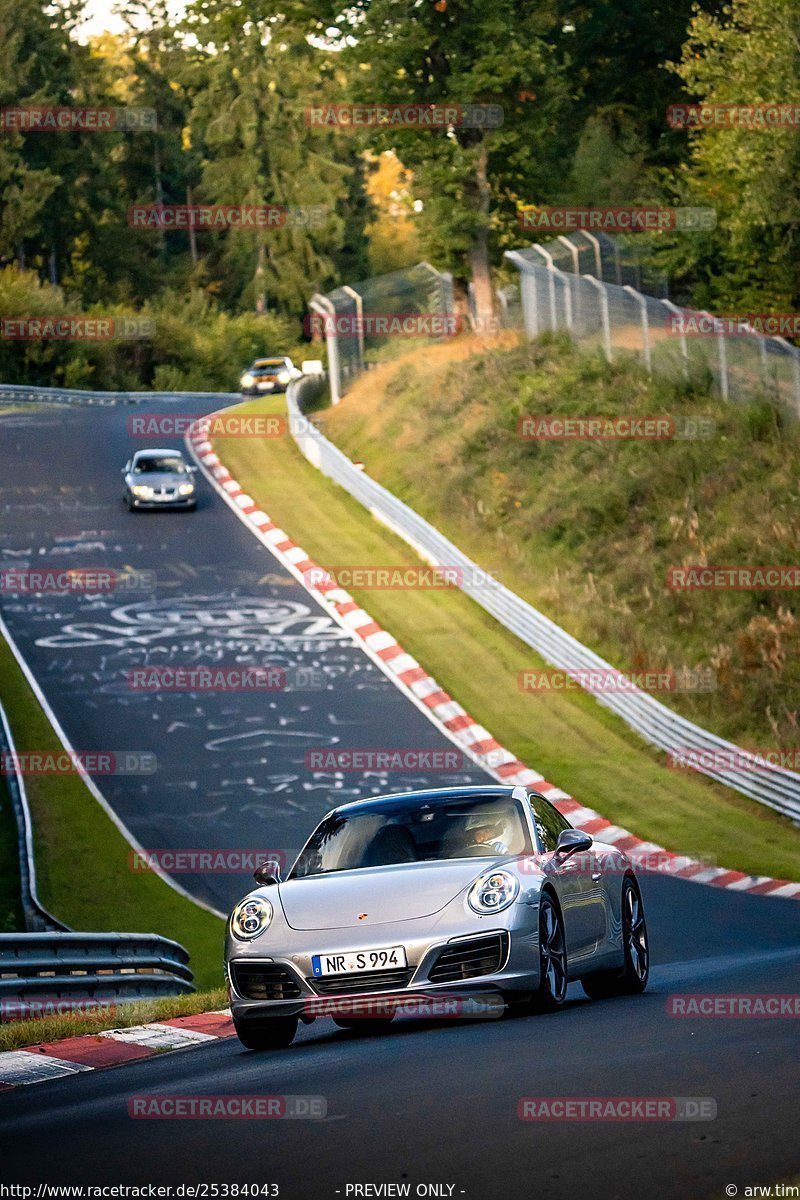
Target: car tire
(276,1033)
(632,979)
(364,1024)
(553,967)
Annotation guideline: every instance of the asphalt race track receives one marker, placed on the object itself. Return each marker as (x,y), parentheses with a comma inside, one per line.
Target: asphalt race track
(231,767)
(438,1103)
(420,1104)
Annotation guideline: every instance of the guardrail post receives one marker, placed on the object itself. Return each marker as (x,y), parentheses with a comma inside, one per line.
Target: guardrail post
(601,287)
(640,300)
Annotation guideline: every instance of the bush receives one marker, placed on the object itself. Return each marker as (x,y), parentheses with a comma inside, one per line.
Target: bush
(194,346)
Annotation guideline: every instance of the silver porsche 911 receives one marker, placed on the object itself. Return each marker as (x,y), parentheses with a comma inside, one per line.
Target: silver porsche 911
(454,890)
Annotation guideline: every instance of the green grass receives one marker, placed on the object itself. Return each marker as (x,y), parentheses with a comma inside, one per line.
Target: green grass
(135,1012)
(81,857)
(576,744)
(586,531)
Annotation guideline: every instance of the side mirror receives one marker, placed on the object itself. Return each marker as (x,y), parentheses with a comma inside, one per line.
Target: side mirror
(267,873)
(572,841)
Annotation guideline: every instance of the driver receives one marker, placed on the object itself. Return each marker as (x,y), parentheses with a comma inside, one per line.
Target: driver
(490,834)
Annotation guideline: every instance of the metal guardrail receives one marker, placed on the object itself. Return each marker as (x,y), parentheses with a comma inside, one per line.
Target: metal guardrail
(29,393)
(95,966)
(776,787)
(37,918)
(53,961)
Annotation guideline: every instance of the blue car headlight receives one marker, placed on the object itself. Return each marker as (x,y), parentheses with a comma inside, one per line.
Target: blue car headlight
(493,892)
(250,918)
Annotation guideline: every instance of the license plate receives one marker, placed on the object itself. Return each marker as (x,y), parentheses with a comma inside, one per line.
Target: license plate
(358,960)
(265,387)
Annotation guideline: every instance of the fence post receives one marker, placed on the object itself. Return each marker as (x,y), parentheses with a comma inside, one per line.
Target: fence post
(598,257)
(551,282)
(640,300)
(722,352)
(360,318)
(673,308)
(601,287)
(563,279)
(325,308)
(502,301)
(576,270)
(762,351)
(795,353)
(573,249)
(527,290)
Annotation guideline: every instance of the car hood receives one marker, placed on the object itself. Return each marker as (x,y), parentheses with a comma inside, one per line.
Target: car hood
(376,895)
(159,479)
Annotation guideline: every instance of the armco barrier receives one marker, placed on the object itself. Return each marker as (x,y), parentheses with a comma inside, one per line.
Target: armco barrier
(777,787)
(54,962)
(107,966)
(37,918)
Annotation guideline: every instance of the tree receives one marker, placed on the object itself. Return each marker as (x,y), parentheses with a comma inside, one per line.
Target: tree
(393,238)
(751,177)
(36,69)
(470,179)
(247,121)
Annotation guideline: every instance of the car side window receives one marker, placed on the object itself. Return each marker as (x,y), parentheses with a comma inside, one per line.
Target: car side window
(548,821)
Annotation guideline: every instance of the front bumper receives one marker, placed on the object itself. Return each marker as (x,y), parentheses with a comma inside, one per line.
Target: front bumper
(168,502)
(263,389)
(516,972)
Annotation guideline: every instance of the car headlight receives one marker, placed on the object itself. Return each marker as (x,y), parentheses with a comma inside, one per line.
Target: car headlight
(247,380)
(186,489)
(141,489)
(493,892)
(284,377)
(250,918)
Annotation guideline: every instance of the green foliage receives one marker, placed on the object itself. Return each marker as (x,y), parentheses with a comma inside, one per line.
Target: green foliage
(195,345)
(751,261)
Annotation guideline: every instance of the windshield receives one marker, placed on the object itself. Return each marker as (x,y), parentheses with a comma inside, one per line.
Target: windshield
(174,465)
(401,831)
(264,364)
